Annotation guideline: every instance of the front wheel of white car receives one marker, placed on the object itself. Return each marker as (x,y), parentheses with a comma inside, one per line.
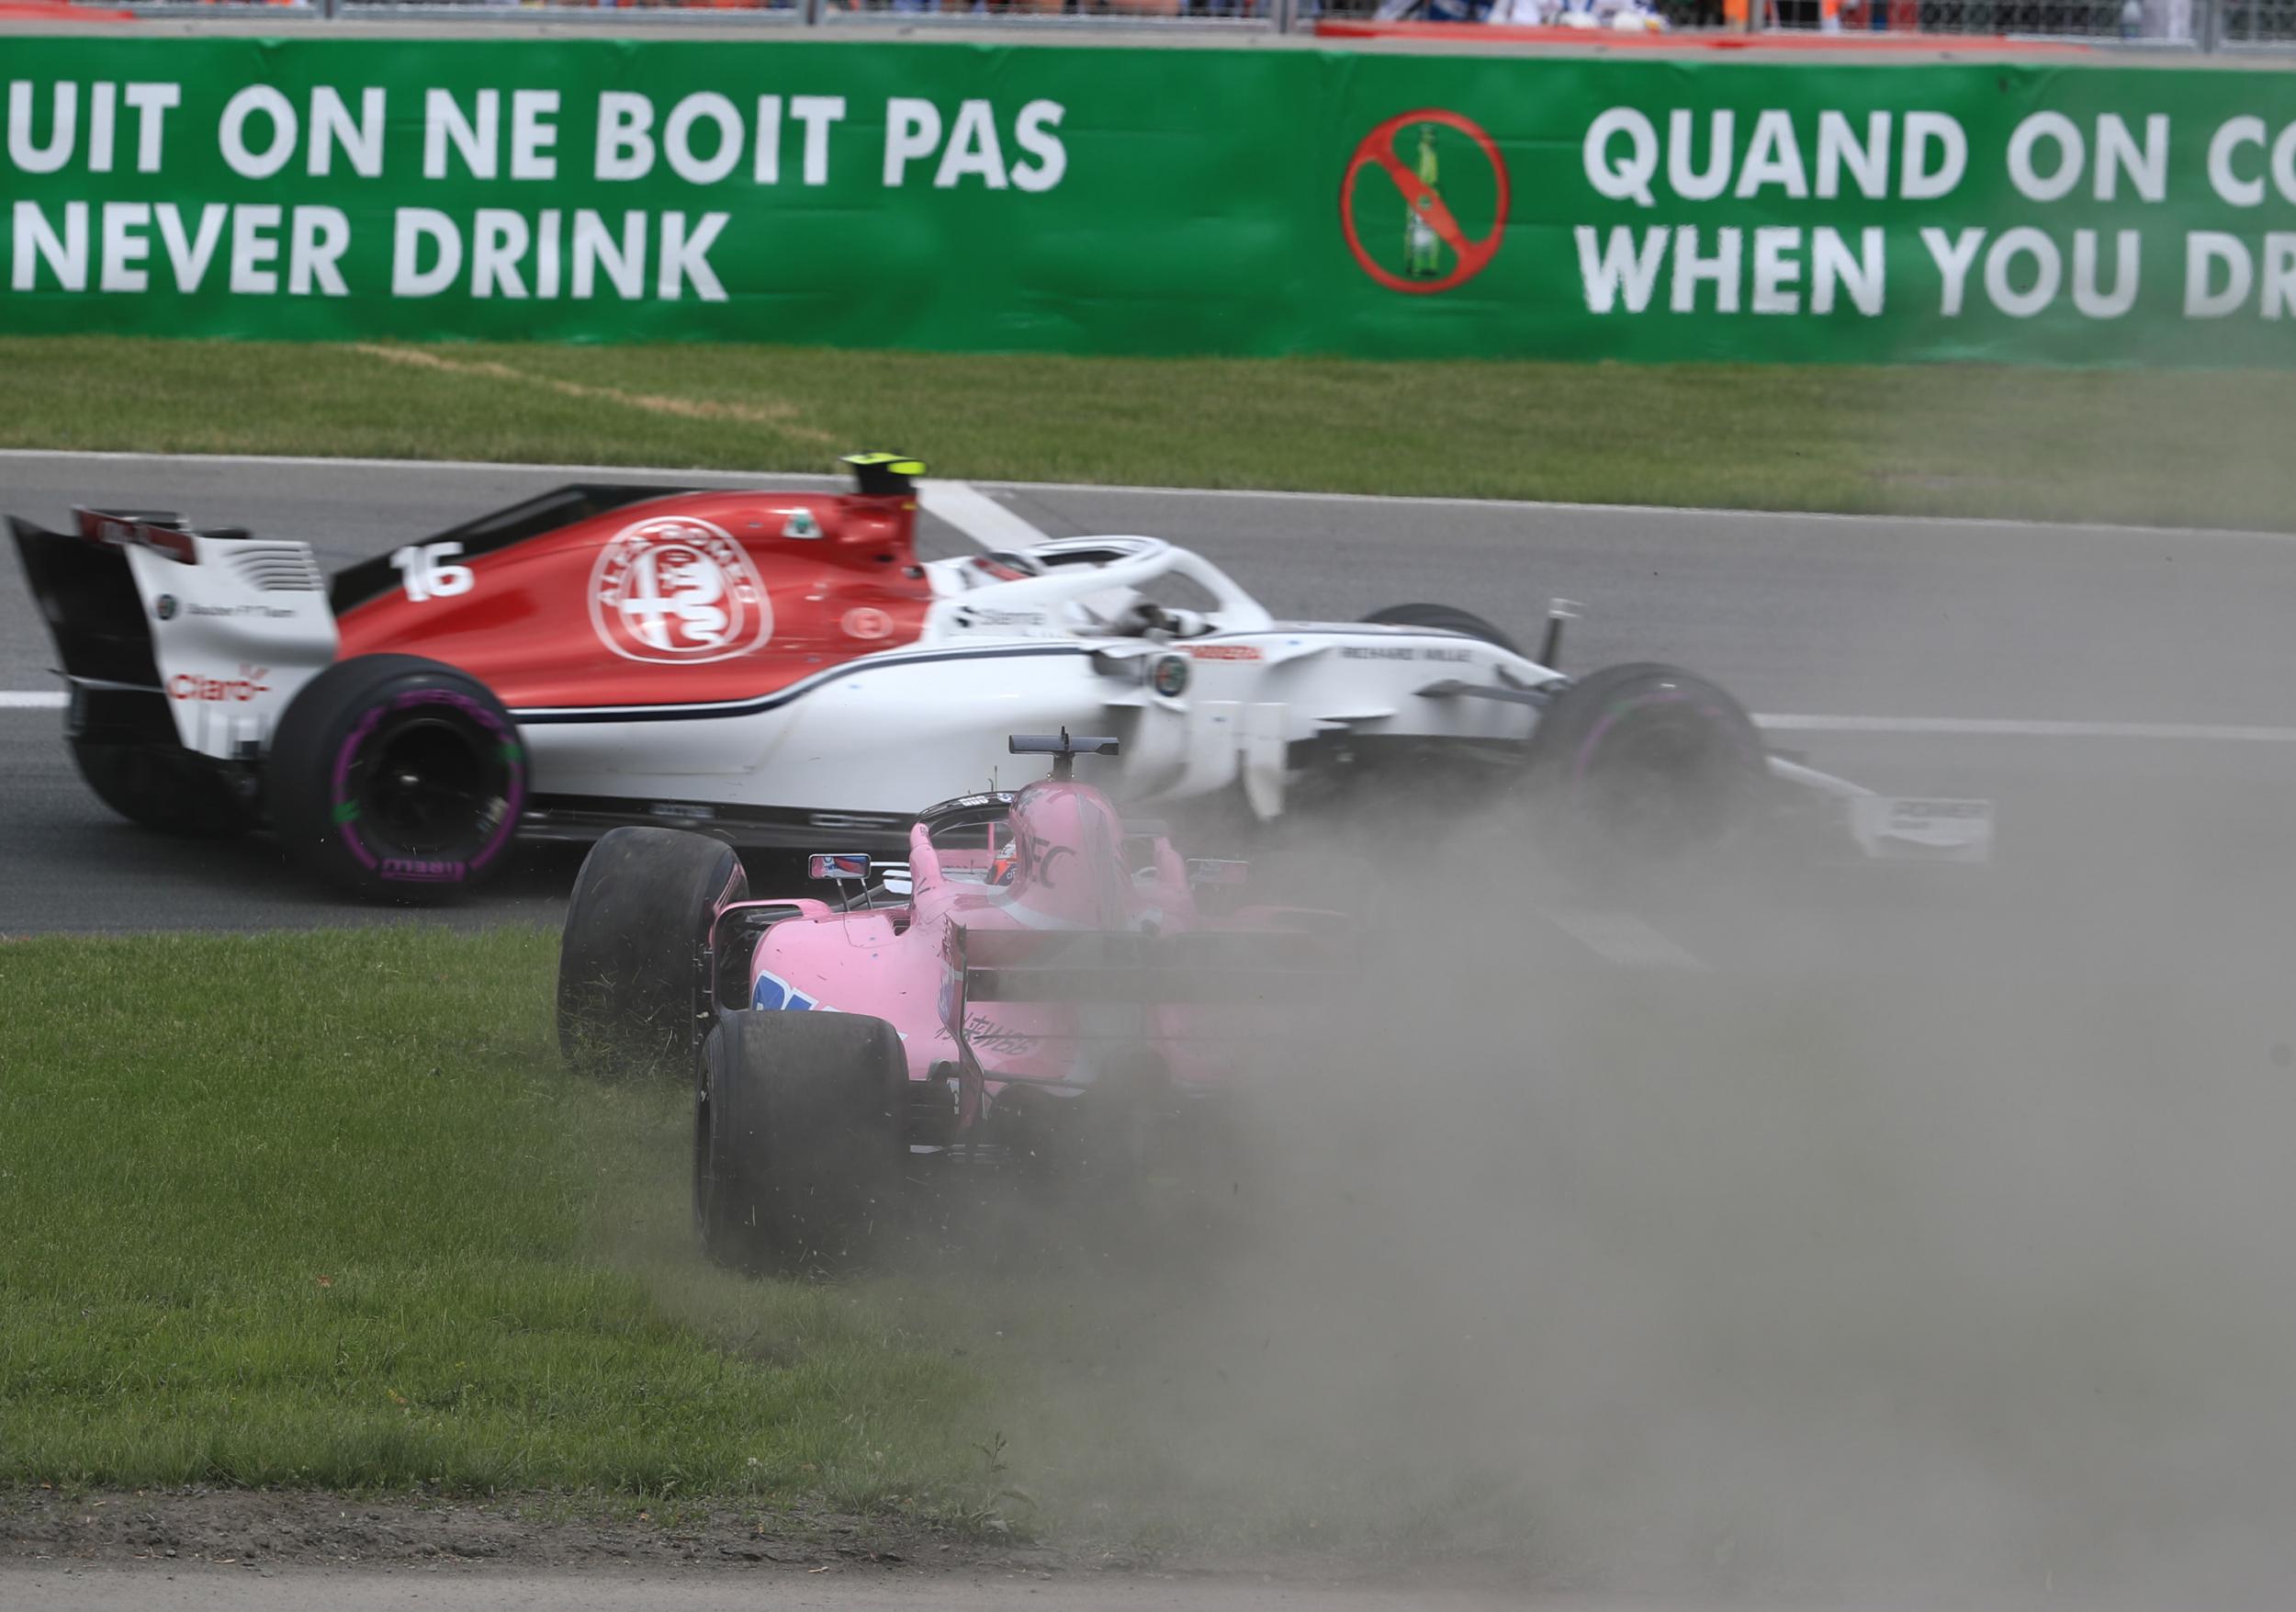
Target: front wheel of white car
(1644,764)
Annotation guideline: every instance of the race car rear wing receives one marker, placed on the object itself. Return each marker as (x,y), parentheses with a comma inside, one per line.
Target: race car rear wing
(161,625)
(96,618)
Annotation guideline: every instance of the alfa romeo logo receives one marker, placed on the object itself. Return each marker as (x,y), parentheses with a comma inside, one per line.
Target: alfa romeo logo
(677,589)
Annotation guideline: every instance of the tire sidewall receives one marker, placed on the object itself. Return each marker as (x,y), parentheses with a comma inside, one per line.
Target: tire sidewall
(797,1141)
(628,990)
(722,1207)
(340,729)
(1588,729)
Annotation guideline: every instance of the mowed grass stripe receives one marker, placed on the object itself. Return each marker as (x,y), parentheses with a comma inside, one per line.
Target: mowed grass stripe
(2171,448)
(322,1210)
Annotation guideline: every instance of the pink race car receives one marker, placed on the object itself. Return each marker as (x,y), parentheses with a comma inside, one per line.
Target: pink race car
(1041,982)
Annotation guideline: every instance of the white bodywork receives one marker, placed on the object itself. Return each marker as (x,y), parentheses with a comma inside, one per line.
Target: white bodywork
(1125,634)
(234,633)
(1217,697)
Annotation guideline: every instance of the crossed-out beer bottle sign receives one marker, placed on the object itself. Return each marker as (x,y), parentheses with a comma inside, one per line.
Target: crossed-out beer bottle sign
(1427,248)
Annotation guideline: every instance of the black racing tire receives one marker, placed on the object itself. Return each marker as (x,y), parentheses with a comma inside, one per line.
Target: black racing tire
(397,777)
(630,989)
(1645,765)
(797,1141)
(1445,617)
(171,791)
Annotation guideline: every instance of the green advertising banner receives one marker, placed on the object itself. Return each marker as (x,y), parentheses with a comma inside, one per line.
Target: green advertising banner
(1163,201)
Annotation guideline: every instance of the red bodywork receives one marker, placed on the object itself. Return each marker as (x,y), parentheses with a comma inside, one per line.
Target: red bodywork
(688,598)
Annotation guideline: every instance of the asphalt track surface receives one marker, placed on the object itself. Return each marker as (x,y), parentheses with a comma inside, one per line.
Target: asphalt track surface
(2113,689)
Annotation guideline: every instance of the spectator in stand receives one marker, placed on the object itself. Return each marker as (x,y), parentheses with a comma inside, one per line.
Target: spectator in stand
(1055,7)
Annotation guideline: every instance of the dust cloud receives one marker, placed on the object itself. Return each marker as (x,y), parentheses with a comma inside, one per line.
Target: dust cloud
(1920,1246)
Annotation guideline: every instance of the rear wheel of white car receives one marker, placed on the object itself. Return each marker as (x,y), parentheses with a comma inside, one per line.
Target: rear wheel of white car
(1444,618)
(398,778)
(1642,764)
(797,1143)
(168,790)
(629,959)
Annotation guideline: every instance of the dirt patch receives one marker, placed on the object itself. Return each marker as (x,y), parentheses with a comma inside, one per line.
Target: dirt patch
(538,1534)
(261,1528)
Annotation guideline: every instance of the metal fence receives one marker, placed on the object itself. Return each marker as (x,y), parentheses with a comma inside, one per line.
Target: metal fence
(2203,25)
(1258,14)
(1233,10)
(2252,22)
(2086,19)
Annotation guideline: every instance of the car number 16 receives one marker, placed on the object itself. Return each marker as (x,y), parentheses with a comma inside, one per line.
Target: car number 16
(422,568)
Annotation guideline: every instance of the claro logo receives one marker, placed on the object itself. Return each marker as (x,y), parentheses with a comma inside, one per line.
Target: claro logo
(220,689)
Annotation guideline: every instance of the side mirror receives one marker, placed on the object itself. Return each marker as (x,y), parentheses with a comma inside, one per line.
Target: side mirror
(1558,611)
(1045,744)
(1063,750)
(1214,871)
(846,867)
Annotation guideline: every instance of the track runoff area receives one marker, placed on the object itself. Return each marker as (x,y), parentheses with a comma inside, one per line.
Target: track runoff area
(2118,692)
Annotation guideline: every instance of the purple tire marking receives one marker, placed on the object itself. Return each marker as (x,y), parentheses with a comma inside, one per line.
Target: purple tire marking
(1610,718)
(340,792)
(452,871)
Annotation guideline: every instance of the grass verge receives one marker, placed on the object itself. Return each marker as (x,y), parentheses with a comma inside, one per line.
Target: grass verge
(321,1211)
(1961,440)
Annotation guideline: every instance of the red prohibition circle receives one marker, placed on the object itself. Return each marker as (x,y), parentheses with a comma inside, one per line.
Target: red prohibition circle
(1377,149)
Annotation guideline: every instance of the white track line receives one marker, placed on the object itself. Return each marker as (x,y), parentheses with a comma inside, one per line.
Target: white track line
(977,516)
(1622,938)
(41,700)
(1987,728)
(717,478)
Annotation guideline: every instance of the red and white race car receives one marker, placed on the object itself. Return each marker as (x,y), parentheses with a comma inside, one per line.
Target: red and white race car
(776,666)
